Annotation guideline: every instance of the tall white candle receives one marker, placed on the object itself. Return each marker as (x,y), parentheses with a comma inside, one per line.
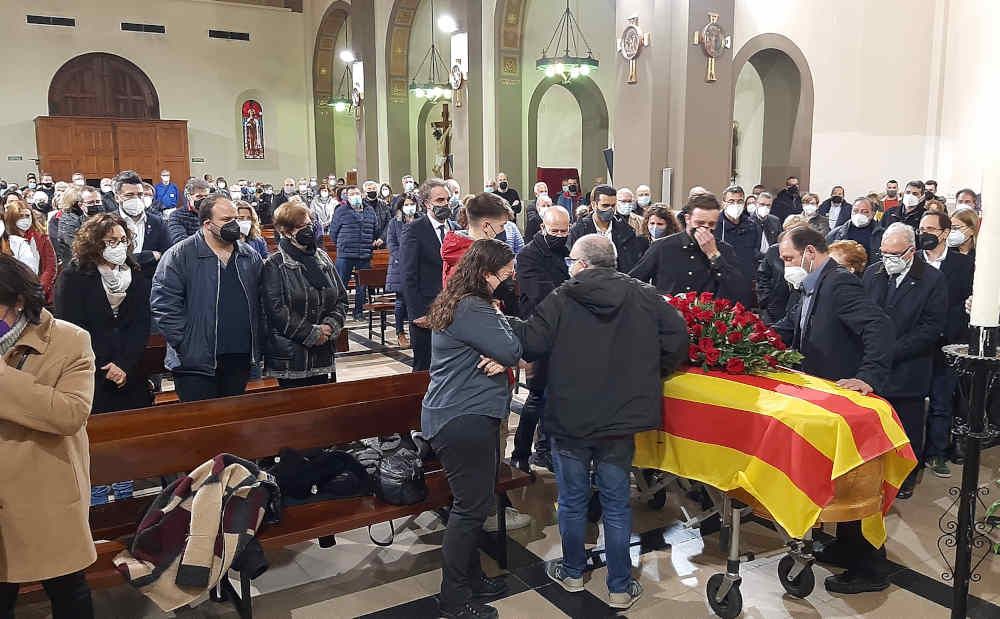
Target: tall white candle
(986,286)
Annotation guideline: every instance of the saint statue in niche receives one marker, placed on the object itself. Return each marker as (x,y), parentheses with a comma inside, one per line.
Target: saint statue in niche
(253,130)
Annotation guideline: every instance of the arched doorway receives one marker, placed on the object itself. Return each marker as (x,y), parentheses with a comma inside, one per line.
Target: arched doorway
(593,132)
(336,132)
(101,84)
(773,109)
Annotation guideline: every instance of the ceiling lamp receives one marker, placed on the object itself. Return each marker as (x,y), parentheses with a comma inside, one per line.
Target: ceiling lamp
(436,85)
(562,55)
(342,102)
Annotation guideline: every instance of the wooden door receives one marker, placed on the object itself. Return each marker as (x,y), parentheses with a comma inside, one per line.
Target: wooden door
(93,149)
(136,147)
(106,85)
(172,150)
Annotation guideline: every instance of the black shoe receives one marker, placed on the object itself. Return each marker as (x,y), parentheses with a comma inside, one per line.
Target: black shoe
(904,493)
(520,464)
(850,583)
(832,554)
(542,459)
(489,588)
(471,610)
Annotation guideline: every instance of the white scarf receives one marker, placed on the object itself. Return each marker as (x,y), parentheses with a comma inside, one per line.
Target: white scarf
(26,251)
(116,281)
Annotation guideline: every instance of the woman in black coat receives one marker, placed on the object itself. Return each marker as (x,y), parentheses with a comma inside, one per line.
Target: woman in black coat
(104,292)
(305,303)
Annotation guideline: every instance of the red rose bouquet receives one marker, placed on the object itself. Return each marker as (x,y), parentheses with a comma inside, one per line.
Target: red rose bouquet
(729,337)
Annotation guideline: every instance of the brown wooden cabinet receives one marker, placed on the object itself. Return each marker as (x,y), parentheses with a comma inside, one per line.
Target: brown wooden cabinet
(101,147)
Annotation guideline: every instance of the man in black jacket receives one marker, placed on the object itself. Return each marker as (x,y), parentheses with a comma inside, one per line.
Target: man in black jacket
(834,209)
(957,269)
(693,260)
(508,193)
(788,201)
(624,337)
(420,261)
(845,337)
(912,208)
(541,268)
(381,208)
(861,228)
(915,296)
(629,247)
(741,230)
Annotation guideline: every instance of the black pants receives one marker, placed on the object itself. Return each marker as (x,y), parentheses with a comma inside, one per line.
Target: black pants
(231,375)
(469,449)
(861,556)
(913,415)
(322,379)
(531,416)
(70,596)
(420,341)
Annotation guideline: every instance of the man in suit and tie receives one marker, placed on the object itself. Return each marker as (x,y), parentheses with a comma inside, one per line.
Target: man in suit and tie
(915,296)
(845,337)
(420,259)
(147,228)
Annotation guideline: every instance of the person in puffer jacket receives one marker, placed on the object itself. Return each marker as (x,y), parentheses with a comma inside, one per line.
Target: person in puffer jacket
(353,231)
(183,221)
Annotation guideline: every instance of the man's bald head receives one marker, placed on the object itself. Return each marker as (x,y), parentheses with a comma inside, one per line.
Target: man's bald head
(556,217)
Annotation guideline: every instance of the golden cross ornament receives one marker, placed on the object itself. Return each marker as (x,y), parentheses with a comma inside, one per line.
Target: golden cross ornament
(630,45)
(713,41)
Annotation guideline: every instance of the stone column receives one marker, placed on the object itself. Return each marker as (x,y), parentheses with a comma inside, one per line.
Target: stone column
(363,17)
(467,121)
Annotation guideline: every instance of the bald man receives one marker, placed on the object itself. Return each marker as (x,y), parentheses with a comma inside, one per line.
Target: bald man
(541,268)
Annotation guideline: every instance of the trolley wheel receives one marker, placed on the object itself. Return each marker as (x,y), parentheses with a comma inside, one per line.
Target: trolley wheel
(802,585)
(731,606)
(594,510)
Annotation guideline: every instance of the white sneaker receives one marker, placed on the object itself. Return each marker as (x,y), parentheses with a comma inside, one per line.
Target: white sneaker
(515,520)
(633,591)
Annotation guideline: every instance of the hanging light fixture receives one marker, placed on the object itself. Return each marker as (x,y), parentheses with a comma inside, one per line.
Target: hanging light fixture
(436,85)
(571,63)
(342,102)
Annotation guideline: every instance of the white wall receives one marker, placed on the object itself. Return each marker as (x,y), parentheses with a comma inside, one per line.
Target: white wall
(560,125)
(748,111)
(597,19)
(870,61)
(196,78)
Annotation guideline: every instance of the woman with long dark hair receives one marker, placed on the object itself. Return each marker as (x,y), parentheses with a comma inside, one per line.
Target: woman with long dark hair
(47,382)
(103,291)
(471,345)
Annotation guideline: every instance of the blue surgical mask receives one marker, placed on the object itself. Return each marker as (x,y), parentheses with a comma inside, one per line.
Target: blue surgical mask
(354,201)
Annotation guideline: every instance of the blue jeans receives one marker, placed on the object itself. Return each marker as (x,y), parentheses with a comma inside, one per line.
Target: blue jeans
(939,413)
(612,461)
(345,267)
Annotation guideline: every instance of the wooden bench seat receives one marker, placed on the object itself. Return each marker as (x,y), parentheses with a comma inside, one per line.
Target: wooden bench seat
(254,386)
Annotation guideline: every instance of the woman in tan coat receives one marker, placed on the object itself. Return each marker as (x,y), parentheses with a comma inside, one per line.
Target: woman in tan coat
(46,387)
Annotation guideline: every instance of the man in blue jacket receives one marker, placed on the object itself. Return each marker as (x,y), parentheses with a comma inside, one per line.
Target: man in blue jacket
(185,221)
(353,230)
(166,193)
(205,302)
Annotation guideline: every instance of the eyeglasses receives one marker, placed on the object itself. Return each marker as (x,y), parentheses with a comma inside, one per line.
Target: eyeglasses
(930,230)
(571,261)
(91,203)
(109,243)
(888,254)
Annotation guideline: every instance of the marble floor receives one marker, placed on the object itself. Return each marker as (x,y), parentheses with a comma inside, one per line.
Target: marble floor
(356,578)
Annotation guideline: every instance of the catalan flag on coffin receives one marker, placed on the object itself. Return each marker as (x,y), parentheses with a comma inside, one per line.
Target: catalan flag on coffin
(783,437)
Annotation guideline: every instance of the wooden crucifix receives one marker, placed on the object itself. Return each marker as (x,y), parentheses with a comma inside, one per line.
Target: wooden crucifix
(444,161)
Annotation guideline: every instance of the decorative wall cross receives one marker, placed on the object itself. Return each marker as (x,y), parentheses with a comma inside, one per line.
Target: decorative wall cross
(631,44)
(713,41)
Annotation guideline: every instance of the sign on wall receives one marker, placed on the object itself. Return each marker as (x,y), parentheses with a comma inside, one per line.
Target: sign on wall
(253,130)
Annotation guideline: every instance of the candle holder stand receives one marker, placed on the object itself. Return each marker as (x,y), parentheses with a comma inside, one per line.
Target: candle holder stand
(978,367)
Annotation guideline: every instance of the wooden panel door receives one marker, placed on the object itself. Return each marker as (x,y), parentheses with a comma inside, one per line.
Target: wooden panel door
(94,149)
(172,150)
(54,140)
(101,84)
(135,148)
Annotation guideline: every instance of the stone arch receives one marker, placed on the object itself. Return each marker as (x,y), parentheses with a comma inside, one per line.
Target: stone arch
(102,84)
(397,53)
(788,106)
(326,79)
(594,113)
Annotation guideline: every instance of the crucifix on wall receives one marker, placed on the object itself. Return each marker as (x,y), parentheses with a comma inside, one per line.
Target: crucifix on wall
(443,157)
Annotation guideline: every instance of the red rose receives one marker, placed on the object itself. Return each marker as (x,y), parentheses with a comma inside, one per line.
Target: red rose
(722,305)
(705,297)
(771,361)
(780,345)
(735,366)
(757,337)
(720,327)
(734,337)
(694,354)
(706,344)
(712,356)
(739,308)
(704,314)
(696,330)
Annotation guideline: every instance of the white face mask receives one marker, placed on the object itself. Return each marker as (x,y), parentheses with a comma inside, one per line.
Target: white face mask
(956,238)
(24,223)
(165,179)
(733,211)
(860,220)
(796,275)
(147,201)
(408,185)
(324,194)
(409,209)
(809,210)
(133,206)
(624,208)
(543,193)
(235,194)
(385,192)
(763,211)
(303,187)
(245,225)
(106,188)
(117,254)
(643,201)
(79,182)
(895,265)
(910,200)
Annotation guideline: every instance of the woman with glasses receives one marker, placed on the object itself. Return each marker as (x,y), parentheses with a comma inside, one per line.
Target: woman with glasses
(103,291)
(964,228)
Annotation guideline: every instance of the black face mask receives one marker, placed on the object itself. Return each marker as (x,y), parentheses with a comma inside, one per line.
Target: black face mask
(230,233)
(605,216)
(793,188)
(556,243)
(442,213)
(928,241)
(572,188)
(306,237)
(838,199)
(371,194)
(506,289)
(501,236)
(504,185)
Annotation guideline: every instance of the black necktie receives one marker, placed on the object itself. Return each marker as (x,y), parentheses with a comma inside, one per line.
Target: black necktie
(893,287)
(441,233)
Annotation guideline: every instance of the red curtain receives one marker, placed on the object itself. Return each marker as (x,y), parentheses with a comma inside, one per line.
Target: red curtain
(553,177)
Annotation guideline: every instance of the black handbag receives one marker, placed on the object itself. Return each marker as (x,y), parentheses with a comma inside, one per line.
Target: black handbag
(400,479)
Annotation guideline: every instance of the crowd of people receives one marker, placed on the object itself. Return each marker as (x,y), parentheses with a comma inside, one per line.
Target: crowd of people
(867,289)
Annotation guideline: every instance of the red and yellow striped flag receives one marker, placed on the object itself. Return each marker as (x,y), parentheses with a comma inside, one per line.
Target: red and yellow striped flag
(783,437)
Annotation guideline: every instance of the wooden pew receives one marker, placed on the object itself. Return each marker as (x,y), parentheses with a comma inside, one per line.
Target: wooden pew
(166,439)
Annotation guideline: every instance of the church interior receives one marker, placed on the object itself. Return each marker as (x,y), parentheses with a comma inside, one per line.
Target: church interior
(671,94)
